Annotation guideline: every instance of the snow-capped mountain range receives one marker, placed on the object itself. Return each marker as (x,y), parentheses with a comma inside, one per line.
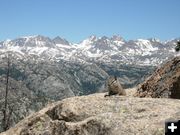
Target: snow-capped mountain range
(94,49)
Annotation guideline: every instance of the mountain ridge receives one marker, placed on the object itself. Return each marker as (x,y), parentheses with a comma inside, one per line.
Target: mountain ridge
(94,49)
(115,36)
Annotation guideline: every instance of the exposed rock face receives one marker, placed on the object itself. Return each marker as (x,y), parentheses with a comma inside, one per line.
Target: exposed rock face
(59,40)
(96,115)
(163,83)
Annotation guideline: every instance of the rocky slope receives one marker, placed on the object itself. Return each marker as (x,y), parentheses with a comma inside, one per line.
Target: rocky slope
(163,83)
(96,115)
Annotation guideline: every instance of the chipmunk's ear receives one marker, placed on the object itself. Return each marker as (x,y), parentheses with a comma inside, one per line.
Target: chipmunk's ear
(115,77)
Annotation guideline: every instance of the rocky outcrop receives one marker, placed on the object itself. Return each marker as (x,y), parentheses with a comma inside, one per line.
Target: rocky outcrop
(163,83)
(96,115)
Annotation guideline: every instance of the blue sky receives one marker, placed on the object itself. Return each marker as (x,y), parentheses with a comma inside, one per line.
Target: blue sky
(76,20)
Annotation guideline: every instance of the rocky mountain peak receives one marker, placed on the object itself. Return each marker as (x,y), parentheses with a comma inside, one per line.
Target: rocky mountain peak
(117,38)
(93,38)
(104,40)
(59,40)
(31,41)
(142,41)
(90,40)
(156,40)
(41,38)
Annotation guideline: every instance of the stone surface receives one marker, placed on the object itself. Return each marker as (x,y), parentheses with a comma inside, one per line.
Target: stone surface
(163,83)
(96,115)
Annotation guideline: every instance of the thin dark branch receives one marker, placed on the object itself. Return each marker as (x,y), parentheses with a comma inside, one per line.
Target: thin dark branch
(6,95)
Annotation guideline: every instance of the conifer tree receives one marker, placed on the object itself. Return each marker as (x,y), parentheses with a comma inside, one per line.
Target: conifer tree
(177,48)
